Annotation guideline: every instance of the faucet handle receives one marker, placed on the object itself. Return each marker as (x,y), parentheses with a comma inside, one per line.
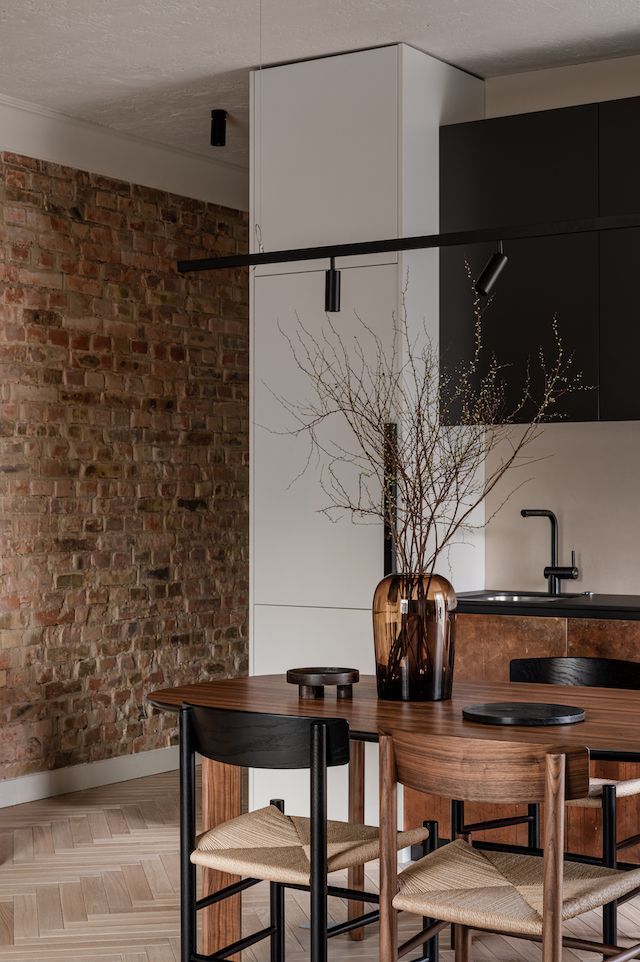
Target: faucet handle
(563,572)
(574,568)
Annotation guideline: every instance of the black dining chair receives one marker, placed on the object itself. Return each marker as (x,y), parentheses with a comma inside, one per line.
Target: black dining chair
(269,845)
(573,670)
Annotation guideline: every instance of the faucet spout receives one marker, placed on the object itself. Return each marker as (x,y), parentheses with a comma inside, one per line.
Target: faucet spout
(553,580)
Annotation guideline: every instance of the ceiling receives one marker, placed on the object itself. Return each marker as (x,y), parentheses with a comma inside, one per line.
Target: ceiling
(154,68)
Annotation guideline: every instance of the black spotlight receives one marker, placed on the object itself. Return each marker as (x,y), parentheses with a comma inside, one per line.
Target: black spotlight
(218,128)
(492,271)
(332,289)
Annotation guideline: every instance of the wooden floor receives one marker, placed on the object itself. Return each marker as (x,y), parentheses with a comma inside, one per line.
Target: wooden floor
(93,877)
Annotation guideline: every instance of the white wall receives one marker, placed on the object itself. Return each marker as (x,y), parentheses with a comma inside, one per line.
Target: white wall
(45,134)
(590,478)
(589,472)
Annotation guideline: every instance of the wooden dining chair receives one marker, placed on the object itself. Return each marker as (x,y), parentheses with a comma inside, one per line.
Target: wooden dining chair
(268,845)
(603,792)
(499,892)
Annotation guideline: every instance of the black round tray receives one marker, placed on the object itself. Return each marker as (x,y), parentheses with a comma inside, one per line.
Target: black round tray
(523,713)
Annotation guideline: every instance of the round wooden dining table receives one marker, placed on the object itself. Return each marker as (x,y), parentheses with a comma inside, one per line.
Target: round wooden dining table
(610,730)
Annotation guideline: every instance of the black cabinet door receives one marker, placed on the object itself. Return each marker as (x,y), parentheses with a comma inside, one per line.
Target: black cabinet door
(547,279)
(523,169)
(619,261)
(520,170)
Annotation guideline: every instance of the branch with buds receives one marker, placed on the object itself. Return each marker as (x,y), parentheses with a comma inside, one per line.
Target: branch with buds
(453,439)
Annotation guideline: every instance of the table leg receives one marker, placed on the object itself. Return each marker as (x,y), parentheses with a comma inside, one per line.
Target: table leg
(221,800)
(356,817)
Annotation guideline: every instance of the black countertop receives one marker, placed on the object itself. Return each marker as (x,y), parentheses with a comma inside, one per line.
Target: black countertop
(619,607)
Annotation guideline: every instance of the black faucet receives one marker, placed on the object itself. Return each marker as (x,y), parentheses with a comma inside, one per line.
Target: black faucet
(554,573)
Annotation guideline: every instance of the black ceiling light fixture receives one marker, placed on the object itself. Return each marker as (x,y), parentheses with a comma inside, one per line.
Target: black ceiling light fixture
(332,288)
(563,228)
(218,128)
(492,270)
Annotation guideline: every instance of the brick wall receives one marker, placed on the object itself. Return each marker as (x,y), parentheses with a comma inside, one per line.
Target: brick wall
(123,461)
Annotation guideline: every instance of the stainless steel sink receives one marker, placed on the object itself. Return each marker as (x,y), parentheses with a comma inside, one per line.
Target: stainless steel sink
(520,597)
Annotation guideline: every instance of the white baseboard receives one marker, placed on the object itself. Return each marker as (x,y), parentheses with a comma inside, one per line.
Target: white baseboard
(76,778)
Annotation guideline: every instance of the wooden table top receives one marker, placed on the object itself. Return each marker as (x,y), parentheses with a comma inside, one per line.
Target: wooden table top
(611,725)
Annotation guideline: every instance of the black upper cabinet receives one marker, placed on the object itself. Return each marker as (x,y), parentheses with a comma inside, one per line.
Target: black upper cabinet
(619,261)
(619,325)
(619,184)
(521,170)
(543,280)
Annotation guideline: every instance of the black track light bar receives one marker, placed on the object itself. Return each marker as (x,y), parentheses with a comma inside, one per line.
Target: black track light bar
(422,242)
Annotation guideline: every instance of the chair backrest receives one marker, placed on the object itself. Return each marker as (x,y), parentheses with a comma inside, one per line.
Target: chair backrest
(589,672)
(484,770)
(481,770)
(257,740)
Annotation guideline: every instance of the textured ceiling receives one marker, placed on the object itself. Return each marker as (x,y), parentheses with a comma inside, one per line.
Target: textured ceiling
(155,67)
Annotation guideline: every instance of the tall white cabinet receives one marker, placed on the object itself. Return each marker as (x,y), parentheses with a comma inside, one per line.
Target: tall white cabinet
(344,148)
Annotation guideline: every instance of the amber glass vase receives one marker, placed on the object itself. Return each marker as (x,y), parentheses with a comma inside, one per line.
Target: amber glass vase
(414,636)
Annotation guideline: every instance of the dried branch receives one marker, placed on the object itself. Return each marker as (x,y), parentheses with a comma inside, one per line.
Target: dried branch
(454,436)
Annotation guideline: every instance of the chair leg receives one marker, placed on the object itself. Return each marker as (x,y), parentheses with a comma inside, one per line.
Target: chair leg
(463,942)
(188,929)
(431,948)
(533,830)
(609,858)
(276,899)
(457,827)
(319,843)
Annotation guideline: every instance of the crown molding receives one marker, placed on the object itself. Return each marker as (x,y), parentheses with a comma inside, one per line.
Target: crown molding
(37,131)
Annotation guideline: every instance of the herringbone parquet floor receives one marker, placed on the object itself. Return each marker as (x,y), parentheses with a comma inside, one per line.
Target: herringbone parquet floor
(93,877)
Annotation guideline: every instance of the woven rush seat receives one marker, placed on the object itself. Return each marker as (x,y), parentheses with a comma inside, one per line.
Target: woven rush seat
(501,891)
(624,789)
(270,845)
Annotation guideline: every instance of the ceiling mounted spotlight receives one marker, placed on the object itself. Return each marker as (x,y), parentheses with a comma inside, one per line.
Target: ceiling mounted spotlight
(492,271)
(218,128)
(332,289)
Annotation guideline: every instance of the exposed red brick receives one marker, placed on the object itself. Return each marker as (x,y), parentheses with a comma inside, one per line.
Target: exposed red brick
(123,461)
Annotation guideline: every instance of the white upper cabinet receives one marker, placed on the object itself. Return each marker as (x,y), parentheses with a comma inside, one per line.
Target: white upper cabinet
(325,150)
(344,149)
(299,556)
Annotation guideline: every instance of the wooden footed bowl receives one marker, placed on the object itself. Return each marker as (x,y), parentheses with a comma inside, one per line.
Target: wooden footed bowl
(312,682)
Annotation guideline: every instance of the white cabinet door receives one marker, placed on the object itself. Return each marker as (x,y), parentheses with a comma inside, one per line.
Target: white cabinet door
(294,637)
(299,556)
(286,637)
(325,150)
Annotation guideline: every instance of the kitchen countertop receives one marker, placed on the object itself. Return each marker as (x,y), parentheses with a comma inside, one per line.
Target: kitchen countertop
(616,607)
